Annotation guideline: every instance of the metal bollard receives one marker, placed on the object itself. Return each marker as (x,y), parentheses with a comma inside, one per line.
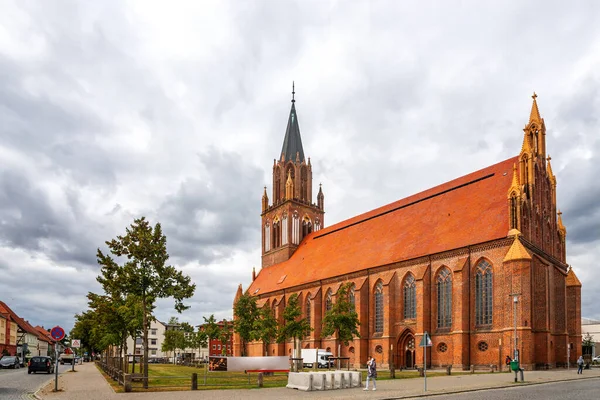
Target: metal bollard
(194,381)
(521,373)
(260,380)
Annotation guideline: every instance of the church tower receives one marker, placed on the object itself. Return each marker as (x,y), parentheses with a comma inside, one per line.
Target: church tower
(532,196)
(292,215)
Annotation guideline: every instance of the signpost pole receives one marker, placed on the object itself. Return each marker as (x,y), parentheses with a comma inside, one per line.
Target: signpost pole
(425,360)
(57,334)
(56,368)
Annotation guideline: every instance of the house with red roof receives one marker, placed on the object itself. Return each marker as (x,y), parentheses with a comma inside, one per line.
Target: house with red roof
(479,263)
(27,340)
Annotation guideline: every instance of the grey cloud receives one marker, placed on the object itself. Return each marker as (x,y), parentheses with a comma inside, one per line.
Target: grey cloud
(215,212)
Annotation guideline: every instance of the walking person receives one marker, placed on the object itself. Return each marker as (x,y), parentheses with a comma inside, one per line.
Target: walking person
(371,372)
(579,365)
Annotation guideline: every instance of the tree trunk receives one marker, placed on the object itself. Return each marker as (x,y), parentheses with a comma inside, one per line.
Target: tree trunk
(145,340)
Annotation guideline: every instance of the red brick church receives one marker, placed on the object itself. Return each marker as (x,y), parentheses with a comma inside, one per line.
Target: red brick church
(450,261)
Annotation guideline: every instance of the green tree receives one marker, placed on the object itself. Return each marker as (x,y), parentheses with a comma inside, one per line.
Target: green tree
(265,327)
(342,319)
(199,339)
(245,312)
(226,331)
(144,273)
(295,326)
(587,343)
(211,327)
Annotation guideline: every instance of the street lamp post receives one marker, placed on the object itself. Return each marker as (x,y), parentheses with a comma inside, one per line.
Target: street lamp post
(516,349)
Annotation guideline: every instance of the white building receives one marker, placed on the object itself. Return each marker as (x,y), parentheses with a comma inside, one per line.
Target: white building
(592,327)
(156,336)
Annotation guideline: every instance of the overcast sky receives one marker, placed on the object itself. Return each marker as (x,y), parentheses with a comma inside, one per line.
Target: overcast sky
(110,110)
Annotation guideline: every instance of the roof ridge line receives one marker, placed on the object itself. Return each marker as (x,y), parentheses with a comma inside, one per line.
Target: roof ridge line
(406,205)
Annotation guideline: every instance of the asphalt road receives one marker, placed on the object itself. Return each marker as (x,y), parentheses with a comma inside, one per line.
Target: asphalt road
(587,389)
(18,384)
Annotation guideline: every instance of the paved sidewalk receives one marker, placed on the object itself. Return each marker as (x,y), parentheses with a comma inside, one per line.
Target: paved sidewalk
(88,384)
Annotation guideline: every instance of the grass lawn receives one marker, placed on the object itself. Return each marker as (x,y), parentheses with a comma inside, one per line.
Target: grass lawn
(168,377)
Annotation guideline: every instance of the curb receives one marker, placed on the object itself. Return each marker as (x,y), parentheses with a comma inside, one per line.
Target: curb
(512,385)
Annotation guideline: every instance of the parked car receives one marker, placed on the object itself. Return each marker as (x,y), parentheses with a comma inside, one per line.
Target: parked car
(10,362)
(41,364)
(596,359)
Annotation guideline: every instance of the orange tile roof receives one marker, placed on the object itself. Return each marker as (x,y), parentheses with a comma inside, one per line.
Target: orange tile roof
(468,210)
(572,279)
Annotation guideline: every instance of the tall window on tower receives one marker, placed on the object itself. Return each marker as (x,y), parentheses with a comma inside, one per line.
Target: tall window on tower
(306,227)
(304,184)
(284,229)
(276,233)
(278,189)
(483,294)
(410,298)
(295,228)
(444,299)
(379,308)
(267,237)
(513,212)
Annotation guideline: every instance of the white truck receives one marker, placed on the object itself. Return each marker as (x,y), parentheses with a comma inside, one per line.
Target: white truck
(309,356)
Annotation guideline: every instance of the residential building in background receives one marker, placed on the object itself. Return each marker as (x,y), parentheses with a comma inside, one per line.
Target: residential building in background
(156,336)
(216,347)
(592,327)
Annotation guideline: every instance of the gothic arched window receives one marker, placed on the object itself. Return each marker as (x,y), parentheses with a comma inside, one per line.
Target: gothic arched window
(267,237)
(278,192)
(410,298)
(444,299)
(379,308)
(284,229)
(513,212)
(304,184)
(308,309)
(306,227)
(484,293)
(328,301)
(276,234)
(351,297)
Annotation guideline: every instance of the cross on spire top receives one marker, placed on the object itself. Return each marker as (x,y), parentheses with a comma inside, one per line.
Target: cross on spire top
(534,96)
(293,92)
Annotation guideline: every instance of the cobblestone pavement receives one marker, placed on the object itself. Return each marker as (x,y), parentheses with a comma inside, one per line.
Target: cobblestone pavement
(18,384)
(88,384)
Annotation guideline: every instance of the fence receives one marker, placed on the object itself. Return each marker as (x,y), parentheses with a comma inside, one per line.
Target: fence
(203,379)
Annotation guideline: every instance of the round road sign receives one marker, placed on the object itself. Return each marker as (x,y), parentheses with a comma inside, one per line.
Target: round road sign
(57,333)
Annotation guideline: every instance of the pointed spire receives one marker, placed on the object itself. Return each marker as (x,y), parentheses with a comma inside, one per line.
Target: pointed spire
(265,200)
(572,279)
(320,198)
(292,142)
(561,228)
(526,146)
(253,274)
(517,251)
(289,186)
(549,169)
(535,113)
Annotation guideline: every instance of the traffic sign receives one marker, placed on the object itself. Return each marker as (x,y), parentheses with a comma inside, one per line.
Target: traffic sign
(57,333)
(425,341)
(76,343)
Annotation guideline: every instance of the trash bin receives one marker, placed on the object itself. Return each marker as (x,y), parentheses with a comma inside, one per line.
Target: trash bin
(514,366)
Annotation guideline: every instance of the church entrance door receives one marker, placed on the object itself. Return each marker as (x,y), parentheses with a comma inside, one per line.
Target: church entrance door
(406,350)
